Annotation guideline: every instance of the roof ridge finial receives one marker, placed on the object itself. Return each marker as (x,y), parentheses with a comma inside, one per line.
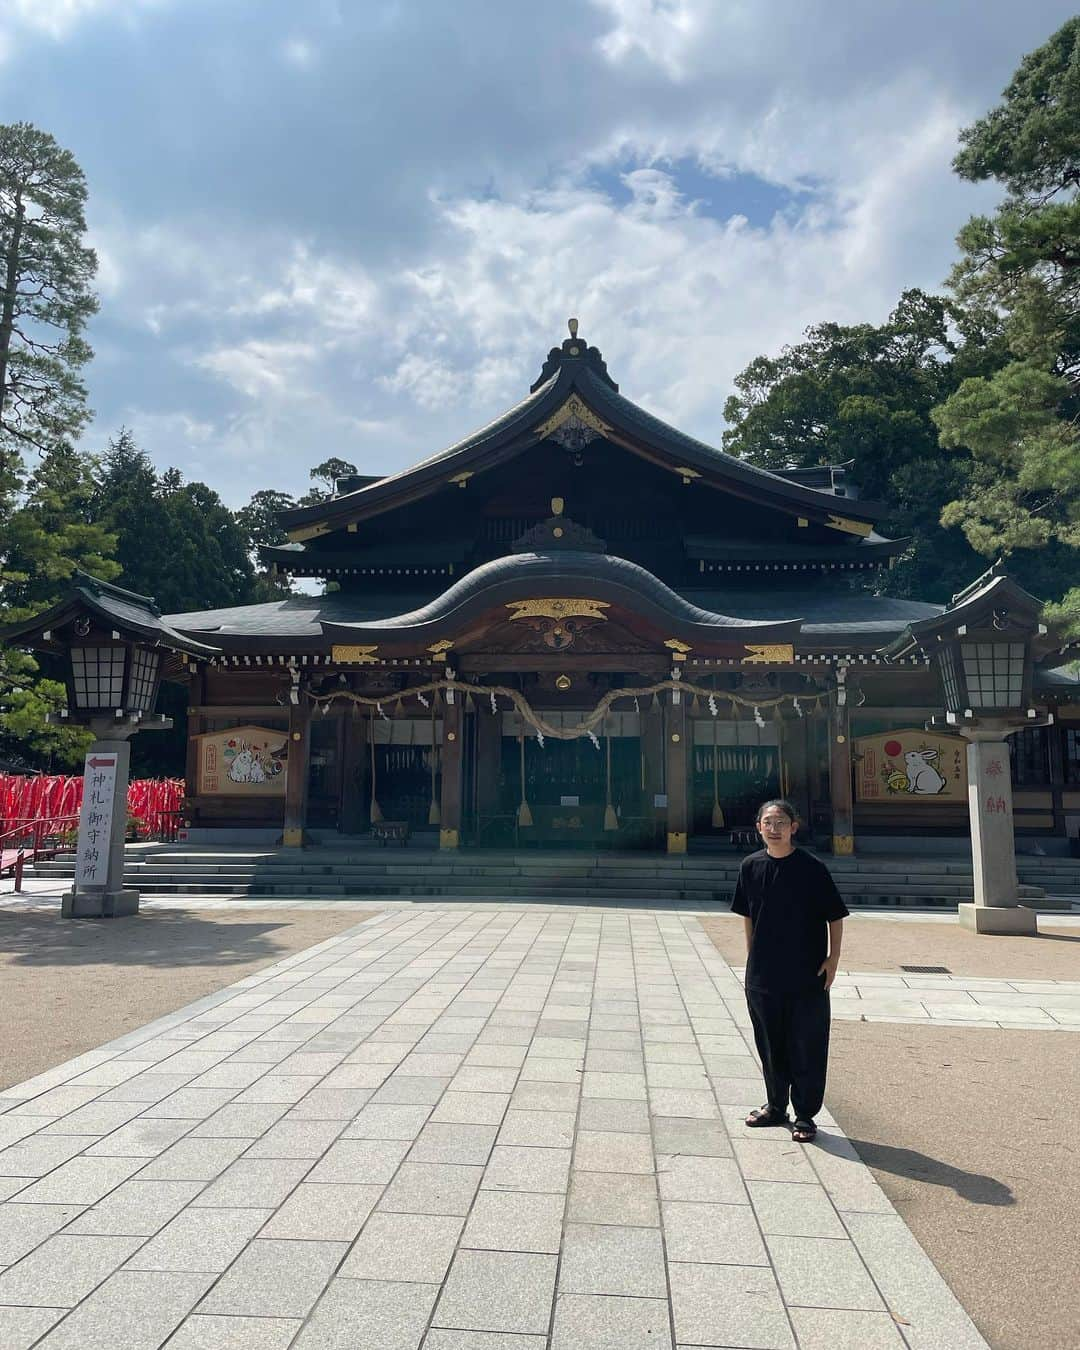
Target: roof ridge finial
(572,324)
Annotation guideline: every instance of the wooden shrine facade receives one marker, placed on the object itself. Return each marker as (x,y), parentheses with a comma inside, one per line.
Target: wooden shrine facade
(581,627)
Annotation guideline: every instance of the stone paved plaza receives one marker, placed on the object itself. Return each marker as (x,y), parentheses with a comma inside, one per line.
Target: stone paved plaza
(477,1129)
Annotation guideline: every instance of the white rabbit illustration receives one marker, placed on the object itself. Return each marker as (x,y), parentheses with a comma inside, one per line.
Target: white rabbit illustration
(246,767)
(923,778)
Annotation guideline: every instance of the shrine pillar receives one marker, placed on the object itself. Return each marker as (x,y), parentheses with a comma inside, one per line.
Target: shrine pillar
(678,825)
(450,804)
(843,830)
(296,775)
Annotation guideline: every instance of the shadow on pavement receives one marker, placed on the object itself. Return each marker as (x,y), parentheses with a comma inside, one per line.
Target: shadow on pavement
(154,938)
(907,1162)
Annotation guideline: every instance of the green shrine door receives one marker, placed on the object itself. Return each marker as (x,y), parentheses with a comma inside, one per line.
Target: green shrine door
(568,785)
(737,765)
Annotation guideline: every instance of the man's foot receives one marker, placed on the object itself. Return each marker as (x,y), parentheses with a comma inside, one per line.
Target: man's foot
(803,1131)
(767,1115)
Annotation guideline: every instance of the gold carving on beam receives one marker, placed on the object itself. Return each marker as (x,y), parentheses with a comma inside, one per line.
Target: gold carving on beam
(859,527)
(303,532)
(573,407)
(461,478)
(678,649)
(802,523)
(558,609)
(688,475)
(356,656)
(437,648)
(759,654)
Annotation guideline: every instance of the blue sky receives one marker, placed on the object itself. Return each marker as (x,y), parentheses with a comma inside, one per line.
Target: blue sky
(355,228)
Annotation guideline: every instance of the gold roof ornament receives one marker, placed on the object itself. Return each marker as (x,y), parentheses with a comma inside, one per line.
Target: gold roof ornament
(849,526)
(572,324)
(759,653)
(437,648)
(574,418)
(558,608)
(355,656)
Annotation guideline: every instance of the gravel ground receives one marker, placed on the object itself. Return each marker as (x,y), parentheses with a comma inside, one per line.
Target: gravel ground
(969,1131)
(69,986)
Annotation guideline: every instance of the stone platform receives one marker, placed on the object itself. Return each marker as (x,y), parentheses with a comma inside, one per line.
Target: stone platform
(494,1129)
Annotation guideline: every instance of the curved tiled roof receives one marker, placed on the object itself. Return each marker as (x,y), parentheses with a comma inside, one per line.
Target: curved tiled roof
(598,574)
(575,370)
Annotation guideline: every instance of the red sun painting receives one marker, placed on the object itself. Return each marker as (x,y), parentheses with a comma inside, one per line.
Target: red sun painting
(893,748)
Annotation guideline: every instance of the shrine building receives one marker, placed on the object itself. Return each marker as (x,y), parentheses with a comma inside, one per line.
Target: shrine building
(581,627)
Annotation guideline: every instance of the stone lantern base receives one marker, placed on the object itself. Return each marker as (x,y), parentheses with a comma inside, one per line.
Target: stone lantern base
(999,919)
(99,904)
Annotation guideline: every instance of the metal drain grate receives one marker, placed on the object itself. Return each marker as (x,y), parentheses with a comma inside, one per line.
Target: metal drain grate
(926,970)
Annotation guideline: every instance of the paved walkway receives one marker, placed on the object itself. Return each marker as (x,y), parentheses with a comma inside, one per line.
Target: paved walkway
(954,1001)
(467,1130)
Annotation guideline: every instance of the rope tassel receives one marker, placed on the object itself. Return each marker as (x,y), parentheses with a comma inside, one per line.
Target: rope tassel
(524,813)
(611,820)
(434,814)
(717,809)
(376,811)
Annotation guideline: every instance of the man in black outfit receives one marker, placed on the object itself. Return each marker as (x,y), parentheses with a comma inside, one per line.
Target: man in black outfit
(794,920)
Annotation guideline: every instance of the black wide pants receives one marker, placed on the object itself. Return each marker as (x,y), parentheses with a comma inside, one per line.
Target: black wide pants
(791,1032)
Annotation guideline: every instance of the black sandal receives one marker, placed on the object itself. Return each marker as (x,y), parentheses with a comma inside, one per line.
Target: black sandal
(803,1131)
(766,1115)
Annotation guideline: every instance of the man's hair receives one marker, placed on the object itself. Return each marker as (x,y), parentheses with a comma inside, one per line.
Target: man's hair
(781,804)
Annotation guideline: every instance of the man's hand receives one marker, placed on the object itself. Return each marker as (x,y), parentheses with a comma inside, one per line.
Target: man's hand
(828,969)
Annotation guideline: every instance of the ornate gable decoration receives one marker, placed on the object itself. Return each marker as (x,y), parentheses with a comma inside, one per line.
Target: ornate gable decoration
(573,426)
(558,608)
(556,533)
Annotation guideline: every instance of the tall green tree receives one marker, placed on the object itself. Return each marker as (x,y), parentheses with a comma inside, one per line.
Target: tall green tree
(325,476)
(1020,422)
(863,393)
(50,532)
(261,524)
(46,273)
(46,299)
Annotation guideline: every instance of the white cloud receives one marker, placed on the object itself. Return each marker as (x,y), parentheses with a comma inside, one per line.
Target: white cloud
(660,31)
(396,275)
(258,369)
(299,53)
(56,19)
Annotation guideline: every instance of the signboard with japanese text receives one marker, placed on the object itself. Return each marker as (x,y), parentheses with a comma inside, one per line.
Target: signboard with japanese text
(246,760)
(911,765)
(95,820)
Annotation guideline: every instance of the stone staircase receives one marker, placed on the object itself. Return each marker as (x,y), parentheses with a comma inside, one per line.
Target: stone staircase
(351,871)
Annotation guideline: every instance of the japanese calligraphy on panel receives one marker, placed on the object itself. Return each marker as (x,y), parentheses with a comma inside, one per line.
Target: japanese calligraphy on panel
(95,820)
(243,761)
(910,765)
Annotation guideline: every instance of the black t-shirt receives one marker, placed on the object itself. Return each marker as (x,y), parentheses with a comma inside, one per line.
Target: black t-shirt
(789,902)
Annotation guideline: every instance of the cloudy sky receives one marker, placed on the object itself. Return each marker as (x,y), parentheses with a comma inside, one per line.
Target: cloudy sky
(354,227)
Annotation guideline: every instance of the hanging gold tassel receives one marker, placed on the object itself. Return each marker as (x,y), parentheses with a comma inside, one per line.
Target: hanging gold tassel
(434,815)
(524,814)
(611,820)
(717,809)
(376,811)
